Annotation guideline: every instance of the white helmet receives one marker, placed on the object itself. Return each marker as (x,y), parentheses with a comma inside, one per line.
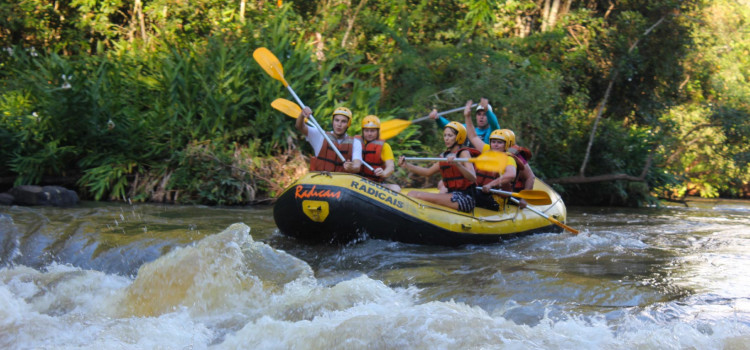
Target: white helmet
(479,107)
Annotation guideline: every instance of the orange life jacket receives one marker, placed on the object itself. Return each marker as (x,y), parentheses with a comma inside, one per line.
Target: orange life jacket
(485,177)
(327,160)
(371,155)
(452,177)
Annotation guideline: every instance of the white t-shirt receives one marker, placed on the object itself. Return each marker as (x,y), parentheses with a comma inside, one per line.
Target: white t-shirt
(315,138)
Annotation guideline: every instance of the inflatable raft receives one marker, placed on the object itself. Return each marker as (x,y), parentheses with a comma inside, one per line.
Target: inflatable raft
(339,208)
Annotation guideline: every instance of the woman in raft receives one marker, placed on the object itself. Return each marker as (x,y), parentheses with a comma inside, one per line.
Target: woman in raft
(459,177)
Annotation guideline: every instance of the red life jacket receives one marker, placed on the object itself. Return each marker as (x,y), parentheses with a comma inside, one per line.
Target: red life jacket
(524,152)
(371,153)
(327,160)
(522,163)
(452,177)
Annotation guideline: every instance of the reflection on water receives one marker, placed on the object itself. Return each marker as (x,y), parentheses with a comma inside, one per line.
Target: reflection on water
(156,276)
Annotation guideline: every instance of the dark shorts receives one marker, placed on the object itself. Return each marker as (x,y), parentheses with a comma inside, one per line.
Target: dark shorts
(465,200)
(486,201)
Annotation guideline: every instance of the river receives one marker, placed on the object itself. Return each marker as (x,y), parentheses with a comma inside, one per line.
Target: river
(146,276)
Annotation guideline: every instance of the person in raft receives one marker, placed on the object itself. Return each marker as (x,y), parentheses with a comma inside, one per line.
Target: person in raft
(525,176)
(459,177)
(377,153)
(325,157)
(504,177)
(486,120)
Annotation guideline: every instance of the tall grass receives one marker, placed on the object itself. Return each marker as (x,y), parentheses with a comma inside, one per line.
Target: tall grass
(127,123)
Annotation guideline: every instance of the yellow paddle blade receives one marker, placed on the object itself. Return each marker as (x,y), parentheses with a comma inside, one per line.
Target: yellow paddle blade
(268,61)
(532,197)
(538,197)
(287,107)
(393,127)
(489,161)
(538,201)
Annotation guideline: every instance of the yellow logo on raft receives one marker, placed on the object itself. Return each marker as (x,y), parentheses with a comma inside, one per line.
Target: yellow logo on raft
(374,190)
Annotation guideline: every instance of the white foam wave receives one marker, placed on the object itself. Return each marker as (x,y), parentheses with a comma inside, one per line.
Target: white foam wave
(230,292)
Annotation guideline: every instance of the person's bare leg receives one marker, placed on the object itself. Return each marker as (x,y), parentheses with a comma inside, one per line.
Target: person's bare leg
(393,187)
(441,187)
(443,199)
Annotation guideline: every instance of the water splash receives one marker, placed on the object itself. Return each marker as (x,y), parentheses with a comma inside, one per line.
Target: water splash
(220,273)
(228,291)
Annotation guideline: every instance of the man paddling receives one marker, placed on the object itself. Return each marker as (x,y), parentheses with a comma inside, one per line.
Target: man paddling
(326,158)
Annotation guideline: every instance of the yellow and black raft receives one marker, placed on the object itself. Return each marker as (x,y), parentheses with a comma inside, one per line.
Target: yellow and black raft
(338,208)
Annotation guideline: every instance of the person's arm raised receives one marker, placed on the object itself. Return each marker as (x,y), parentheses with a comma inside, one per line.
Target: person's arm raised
(300,123)
(491,117)
(440,120)
(471,132)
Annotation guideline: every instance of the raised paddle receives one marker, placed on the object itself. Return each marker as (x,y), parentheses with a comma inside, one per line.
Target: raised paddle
(553,220)
(393,127)
(531,196)
(293,110)
(488,161)
(268,61)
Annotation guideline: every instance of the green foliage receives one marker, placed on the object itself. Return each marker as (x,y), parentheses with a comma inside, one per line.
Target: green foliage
(108,180)
(15,106)
(709,145)
(42,135)
(206,94)
(206,174)
(710,150)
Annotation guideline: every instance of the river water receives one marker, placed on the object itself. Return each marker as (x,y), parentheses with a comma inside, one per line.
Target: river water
(120,276)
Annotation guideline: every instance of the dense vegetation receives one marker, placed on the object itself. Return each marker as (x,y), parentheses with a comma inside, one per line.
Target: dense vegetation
(620,101)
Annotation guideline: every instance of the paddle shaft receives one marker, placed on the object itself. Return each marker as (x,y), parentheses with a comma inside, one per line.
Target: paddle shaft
(434,159)
(442,113)
(494,190)
(531,196)
(553,220)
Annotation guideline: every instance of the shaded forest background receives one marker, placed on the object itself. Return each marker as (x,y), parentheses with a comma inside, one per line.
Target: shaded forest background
(622,102)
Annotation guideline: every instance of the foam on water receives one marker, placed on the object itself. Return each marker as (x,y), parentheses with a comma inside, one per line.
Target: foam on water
(229,292)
